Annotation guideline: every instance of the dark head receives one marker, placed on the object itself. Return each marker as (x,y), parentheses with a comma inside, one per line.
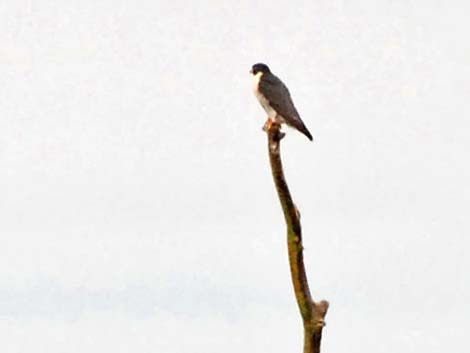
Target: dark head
(260,67)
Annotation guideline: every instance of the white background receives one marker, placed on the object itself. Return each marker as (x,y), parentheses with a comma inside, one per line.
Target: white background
(137,210)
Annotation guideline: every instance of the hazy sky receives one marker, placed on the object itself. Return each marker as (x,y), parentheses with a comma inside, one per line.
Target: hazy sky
(137,209)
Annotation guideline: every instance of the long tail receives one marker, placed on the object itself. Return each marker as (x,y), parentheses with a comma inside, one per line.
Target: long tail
(299,125)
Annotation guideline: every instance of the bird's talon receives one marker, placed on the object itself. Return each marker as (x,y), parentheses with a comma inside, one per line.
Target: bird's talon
(268,125)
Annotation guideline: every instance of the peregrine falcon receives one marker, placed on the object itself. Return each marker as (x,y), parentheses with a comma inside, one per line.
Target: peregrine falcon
(275,99)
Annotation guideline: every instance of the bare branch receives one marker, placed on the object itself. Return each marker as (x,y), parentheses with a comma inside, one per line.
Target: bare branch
(313,314)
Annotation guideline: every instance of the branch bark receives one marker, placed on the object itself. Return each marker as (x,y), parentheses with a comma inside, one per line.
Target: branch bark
(313,313)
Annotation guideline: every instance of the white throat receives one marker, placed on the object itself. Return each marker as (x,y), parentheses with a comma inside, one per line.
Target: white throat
(263,101)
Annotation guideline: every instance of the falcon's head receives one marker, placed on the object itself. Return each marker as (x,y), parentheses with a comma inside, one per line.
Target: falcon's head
(260,67)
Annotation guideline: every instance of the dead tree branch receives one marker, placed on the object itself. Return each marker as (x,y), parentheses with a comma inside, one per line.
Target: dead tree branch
(313,313)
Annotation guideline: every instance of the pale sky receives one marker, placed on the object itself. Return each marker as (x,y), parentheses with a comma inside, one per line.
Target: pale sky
(137,209)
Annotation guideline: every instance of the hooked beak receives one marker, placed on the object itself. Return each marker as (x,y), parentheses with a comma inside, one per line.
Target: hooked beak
(251,71)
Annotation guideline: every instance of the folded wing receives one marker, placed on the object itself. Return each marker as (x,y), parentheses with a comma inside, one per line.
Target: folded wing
(276,92)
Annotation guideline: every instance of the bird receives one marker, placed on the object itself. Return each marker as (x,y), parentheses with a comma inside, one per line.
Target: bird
(276,100)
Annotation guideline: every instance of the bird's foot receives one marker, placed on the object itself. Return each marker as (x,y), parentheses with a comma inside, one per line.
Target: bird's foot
(274,127)
(268,124)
